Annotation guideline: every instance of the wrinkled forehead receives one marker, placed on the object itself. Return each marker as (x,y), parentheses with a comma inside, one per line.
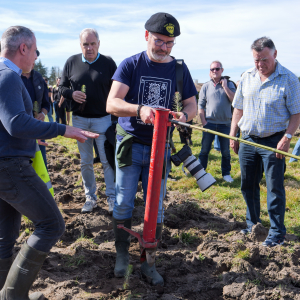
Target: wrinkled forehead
(162,37)
(215,65)
(88,37)
(264,54)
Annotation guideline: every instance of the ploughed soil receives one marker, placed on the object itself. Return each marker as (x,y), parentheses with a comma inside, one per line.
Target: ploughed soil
(202,254)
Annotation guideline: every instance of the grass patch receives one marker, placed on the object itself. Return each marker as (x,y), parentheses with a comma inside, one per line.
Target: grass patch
(75,261)
(242,254)
(227,197)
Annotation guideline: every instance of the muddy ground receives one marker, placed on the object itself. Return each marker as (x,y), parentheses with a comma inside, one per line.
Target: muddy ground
(201,255)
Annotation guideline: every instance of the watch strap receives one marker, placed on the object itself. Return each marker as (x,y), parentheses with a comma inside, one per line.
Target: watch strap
(186,115)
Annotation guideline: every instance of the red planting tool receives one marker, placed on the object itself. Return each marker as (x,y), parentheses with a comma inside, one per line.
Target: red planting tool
(148,241)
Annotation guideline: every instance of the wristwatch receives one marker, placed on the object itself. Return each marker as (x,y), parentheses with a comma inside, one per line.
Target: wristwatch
(289,136)
(186,115)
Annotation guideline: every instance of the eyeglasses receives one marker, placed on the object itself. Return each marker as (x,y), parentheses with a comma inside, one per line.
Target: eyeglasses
(160,43)
(215,69)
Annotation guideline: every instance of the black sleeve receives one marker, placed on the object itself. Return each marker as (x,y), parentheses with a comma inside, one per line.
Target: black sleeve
(45,99)
(64,86)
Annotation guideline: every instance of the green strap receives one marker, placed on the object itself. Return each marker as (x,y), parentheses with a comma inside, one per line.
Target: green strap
(124,152)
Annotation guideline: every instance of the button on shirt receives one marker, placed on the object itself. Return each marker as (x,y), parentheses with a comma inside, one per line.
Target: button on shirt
(267,106)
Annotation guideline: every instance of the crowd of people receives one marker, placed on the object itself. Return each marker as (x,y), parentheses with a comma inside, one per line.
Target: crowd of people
(266,110)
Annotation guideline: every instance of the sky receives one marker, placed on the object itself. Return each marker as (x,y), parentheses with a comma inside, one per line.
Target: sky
(210,30)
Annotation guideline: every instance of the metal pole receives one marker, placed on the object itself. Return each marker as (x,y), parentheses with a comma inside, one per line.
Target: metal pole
(236,139)
(155,174)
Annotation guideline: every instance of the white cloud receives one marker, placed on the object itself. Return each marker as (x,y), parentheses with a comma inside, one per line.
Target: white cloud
(210,30)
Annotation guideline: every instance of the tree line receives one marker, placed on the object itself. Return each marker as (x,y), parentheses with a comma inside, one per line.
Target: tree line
(52,75)
(54,72)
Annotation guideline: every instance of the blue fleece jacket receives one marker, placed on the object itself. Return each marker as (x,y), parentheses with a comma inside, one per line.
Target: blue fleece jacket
(18,129)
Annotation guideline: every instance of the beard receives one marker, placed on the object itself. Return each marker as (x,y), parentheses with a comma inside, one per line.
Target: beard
(159,55)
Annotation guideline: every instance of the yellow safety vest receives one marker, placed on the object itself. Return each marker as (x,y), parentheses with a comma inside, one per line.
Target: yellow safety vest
(40,168)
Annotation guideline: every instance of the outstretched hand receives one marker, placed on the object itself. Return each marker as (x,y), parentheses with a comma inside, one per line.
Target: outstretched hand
(79,134)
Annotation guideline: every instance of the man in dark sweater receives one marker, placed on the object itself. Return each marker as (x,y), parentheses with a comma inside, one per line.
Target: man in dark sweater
(38,92)
(22,192)
(86,79)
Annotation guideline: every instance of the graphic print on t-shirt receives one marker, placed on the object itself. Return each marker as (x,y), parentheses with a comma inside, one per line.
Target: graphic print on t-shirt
(154,92)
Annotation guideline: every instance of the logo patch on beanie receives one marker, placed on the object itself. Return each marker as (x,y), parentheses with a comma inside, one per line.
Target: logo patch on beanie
(170,28)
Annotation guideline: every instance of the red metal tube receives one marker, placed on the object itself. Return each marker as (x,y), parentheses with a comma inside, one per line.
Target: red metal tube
(155,174)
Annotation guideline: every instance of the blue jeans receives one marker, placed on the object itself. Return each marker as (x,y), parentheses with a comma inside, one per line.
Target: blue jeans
(251,161)
(49,114)
(296,151)
(217,143)
(207,140)
(22,192)
(127,179)
(96,125)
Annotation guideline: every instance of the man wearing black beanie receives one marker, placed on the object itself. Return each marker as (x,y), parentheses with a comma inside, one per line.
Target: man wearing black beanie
(142,83)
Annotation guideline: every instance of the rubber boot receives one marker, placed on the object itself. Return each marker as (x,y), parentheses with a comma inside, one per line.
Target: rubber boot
(4,268)
(122,242)
(152,276)
(22,274)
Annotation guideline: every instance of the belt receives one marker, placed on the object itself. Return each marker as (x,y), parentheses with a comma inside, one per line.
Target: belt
(275,134)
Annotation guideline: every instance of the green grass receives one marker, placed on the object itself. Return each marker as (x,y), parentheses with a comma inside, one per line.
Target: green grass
(227,196)
(242,254)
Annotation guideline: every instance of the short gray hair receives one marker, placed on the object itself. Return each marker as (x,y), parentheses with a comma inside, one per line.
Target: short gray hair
(217,62)
(89,30)
(14,36)
(261,43)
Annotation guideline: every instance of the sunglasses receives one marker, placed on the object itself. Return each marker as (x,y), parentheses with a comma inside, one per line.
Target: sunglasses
(215,69)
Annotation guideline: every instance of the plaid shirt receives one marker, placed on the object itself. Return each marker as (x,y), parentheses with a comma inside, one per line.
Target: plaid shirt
(268,106)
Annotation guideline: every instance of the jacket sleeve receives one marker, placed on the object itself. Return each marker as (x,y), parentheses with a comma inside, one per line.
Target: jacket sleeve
(14,117)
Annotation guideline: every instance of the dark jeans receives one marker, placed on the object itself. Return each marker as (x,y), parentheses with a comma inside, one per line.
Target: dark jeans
(43,151)
(207,140)
(60,112)
(252,159)
(22,192)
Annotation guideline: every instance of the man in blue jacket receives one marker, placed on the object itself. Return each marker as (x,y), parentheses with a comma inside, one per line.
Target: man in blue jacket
(22,192)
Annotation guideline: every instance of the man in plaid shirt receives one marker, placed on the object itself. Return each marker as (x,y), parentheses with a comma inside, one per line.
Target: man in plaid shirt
(267,110)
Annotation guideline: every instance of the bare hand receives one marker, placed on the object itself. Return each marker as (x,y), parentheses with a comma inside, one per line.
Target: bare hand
(40,117)
(234,145)
(79,134)
(178,116)
(79,96)
(147,114)
(224,83)
(283,145)
(42,143)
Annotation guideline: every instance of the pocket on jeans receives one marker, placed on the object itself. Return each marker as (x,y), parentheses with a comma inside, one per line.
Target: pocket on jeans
(8,188)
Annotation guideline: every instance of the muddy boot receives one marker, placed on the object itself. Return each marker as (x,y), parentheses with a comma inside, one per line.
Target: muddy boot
(4,268)
(152,276)
(22,274)
(122,242)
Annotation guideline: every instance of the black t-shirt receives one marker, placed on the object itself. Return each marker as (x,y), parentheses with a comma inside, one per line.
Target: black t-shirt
(56,95)
(97,80)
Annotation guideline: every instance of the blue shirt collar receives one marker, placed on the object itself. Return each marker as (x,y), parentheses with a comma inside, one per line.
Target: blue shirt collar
(11,65)
(84,60)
